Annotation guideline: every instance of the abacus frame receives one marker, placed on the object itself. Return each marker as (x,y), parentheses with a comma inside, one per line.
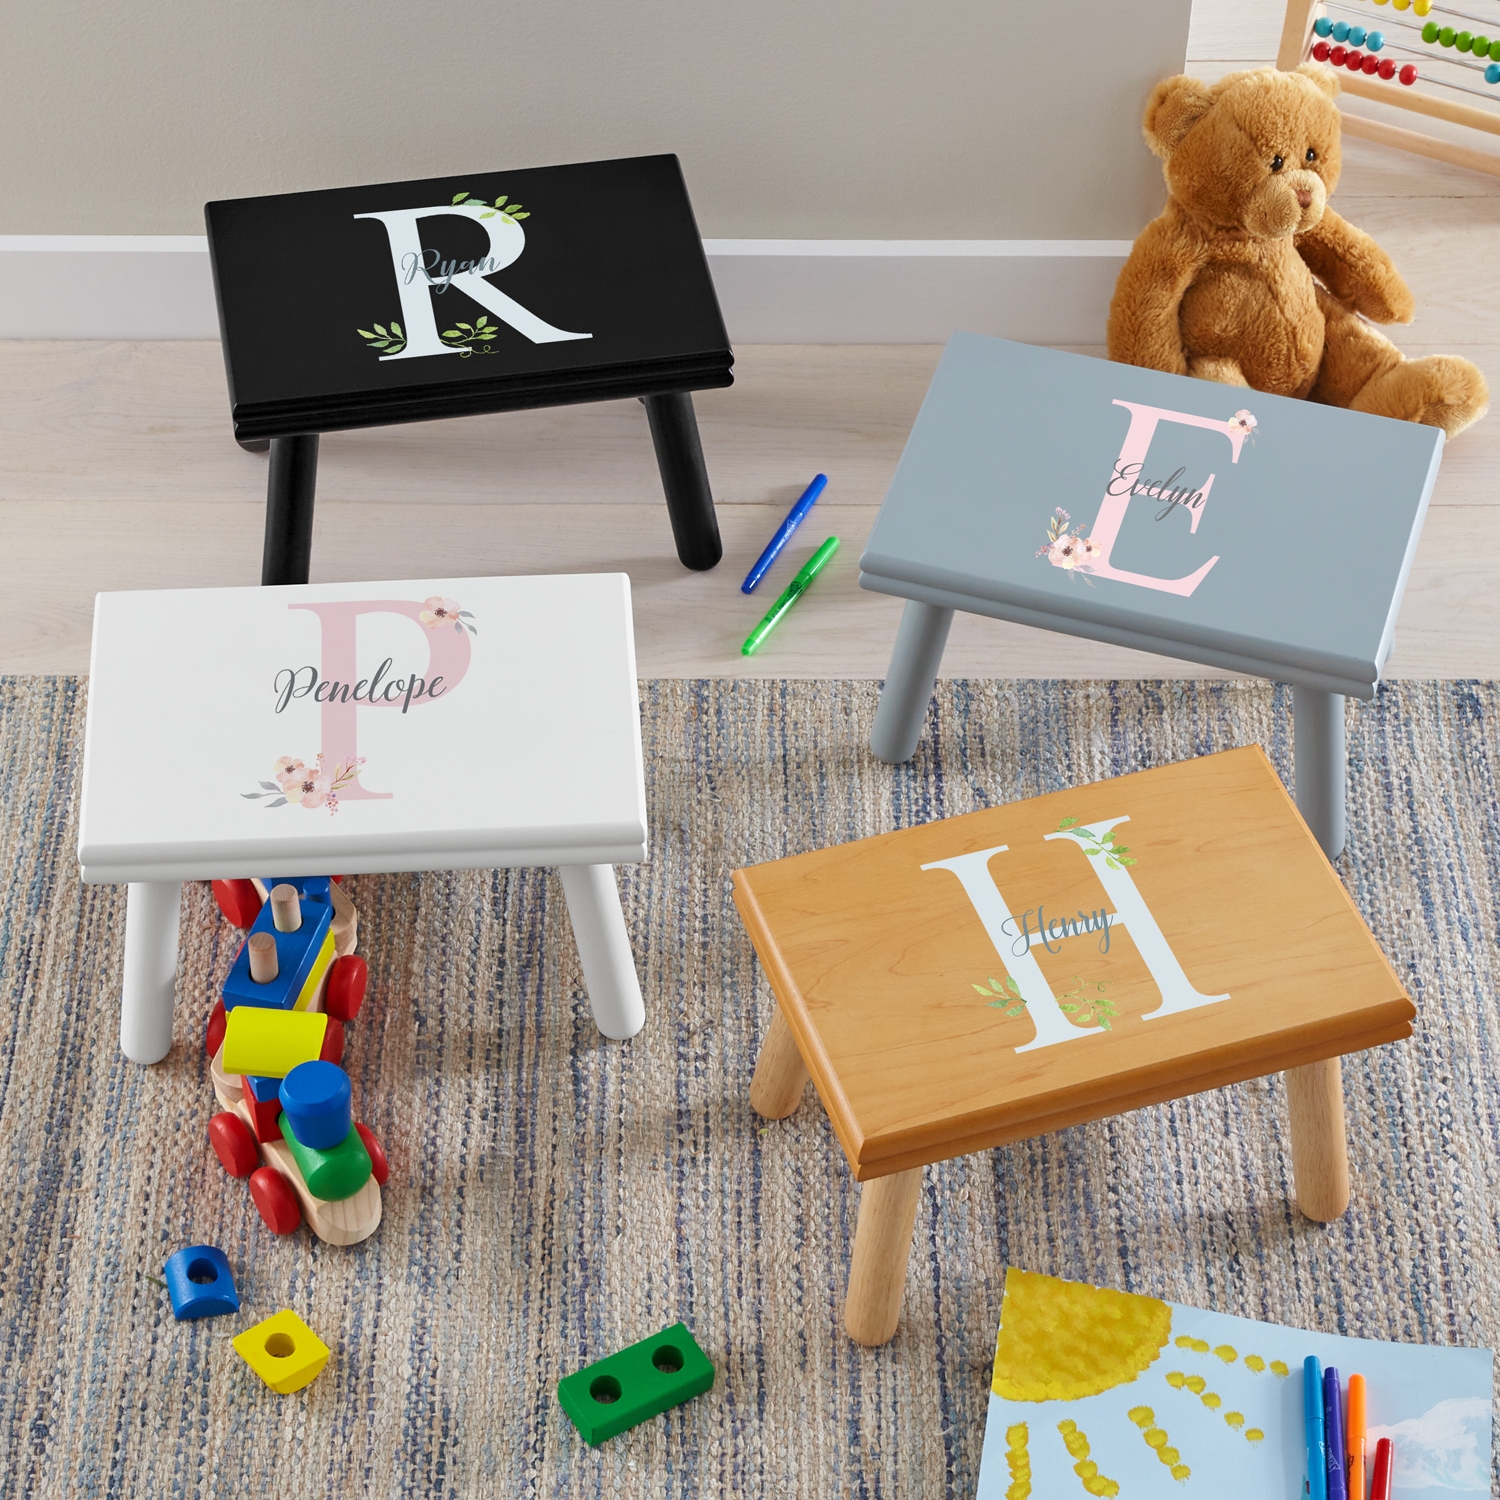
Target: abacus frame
(1296,39)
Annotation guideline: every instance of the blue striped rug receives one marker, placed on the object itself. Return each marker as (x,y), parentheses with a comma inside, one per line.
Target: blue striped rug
(555,1196)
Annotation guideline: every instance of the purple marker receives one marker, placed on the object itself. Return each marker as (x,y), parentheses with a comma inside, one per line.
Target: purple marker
(1333,1428)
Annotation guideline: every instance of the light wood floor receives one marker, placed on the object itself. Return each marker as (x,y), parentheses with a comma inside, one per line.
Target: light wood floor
(117,471)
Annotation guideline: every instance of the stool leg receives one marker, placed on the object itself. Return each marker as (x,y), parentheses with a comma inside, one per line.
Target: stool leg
(604,949)
(780,1073)
(152,913)
(1320,1146)
(289,509)
(882,1247)
(684,479)
(1319,763)
(910,681)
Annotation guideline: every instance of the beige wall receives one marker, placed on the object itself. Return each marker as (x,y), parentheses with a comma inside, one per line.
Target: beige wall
(882,119)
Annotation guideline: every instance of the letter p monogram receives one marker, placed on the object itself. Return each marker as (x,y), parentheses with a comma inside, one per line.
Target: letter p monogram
(448,658)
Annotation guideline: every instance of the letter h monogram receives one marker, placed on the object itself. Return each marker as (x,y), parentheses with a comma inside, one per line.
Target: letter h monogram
(1131,912)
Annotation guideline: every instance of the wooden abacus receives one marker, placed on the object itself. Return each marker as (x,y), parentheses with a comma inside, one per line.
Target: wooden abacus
(1398,61)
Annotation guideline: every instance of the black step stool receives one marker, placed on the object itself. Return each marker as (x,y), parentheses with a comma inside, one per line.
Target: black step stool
(495,291)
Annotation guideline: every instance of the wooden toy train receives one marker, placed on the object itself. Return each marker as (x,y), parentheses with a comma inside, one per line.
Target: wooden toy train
(276,1038)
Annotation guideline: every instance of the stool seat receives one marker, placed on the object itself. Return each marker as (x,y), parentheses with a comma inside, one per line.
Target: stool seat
(958,985)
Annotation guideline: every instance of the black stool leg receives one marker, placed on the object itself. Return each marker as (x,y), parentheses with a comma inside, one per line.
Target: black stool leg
(684,478)
(289,509)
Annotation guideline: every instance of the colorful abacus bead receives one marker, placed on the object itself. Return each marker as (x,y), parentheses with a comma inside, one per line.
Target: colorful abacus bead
(1408,74)
(1495,51)
(1371,65)
(1387,69)
(1481,46)
(1355,61)
(1322,26)
(1401,4)
(1492,73)
(1464,40)
(1447,36)
(1337,56)
(1422,7)
(1430,32)
(1357,36)
(1341,31)
(1375,40)
(1320,52)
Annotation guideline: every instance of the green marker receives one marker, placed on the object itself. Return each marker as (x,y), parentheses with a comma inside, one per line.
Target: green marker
(794,591)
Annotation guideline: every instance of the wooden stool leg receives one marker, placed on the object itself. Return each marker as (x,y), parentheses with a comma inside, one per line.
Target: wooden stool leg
(153,911)
(1320,1146)
(909,682)
(604,949)
(1319,764)
(780,1073)
(289,509)
(684,478)
(882,1247)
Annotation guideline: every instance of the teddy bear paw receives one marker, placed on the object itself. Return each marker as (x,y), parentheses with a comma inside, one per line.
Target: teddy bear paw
(1438,390)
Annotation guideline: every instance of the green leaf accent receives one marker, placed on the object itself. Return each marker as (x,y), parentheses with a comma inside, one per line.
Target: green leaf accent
(483,319)
(361,332)
(1112,863)
(500,200)
(1012,986)
(466,327)
(452,333)
(978,987)
(459,197)
(1066,823)
(489,215)
(396,329)
(380,329)
(520,216)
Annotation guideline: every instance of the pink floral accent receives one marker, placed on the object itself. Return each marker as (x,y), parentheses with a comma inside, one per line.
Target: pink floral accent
(1244,421)
(438,612)
(299,785)
(1069,549)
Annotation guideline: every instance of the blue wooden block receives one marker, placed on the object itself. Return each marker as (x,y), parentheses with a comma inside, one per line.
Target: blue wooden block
(316,1097)
(309,887)
(200,1283)
(296,953)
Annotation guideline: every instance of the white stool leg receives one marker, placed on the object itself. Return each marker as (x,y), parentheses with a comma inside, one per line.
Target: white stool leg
(604,949)
(909,682)
(1319,764)
(153,911)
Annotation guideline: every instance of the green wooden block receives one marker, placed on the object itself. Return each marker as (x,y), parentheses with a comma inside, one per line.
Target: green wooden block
(332,1175)
(636,1384)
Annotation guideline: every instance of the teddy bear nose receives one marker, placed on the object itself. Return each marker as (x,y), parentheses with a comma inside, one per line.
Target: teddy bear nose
(1304,198)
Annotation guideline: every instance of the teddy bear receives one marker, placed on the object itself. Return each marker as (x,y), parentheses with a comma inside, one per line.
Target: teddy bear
(1249,278)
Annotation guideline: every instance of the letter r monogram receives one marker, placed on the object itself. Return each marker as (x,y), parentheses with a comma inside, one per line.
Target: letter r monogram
(507,241)
(448,658)
(1131,912)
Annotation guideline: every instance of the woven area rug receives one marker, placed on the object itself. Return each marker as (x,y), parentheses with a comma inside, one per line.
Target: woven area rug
(555,1196)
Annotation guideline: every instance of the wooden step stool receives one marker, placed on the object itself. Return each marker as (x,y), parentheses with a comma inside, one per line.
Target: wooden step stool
(966,983)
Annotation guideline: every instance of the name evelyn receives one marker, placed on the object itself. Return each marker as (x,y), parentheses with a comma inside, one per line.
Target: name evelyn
(289,685)
(1127,481)
(1056,930)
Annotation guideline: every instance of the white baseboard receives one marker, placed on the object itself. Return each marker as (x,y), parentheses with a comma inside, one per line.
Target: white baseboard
(771,291)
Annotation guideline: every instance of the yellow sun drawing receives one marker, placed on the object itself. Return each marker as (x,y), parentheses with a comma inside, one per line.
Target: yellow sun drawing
(1061,1340)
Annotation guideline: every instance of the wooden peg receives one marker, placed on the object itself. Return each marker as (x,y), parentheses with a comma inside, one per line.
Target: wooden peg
(286,908)
(263,965)
(780,1074)
(1320,1146)
(882,1247)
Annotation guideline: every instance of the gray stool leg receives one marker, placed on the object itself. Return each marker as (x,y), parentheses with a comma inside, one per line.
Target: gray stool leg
(149,985)
(909,682)
(1319,764)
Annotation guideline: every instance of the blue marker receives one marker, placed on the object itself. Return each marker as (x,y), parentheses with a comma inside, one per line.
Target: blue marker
(1312,1417)
(784,533)
(1333,1431)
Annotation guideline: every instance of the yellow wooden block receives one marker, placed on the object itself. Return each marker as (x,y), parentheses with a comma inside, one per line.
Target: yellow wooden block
(283,1351)
(270,1043)
(321,965)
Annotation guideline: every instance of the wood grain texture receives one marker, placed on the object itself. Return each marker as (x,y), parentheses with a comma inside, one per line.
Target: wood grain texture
(882,1247)
(780,1074)
(1422,145)
(1320,1142)
(874,962)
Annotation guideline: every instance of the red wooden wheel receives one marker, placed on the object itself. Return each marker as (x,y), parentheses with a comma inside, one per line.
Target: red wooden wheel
(213,1038)
(333,1041)
(346,987)
(238,900)
(380,1167)
(275,1199)
(232,1142)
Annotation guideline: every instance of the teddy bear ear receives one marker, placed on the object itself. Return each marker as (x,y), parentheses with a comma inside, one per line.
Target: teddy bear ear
(1321,76)
(1175,106)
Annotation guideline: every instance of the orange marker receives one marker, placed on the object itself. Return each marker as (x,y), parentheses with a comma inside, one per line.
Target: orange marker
(1354,1437)
(1385,1462)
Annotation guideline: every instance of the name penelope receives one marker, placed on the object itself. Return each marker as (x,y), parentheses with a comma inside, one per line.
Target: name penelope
(289,685)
